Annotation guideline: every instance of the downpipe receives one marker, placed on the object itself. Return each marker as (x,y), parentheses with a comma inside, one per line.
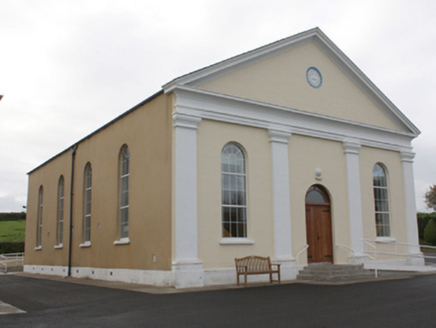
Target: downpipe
(73,157)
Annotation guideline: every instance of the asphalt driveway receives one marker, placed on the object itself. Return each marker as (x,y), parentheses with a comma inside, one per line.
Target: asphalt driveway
(48,303)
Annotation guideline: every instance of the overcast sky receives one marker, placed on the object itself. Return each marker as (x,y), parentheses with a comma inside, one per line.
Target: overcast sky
(69,67)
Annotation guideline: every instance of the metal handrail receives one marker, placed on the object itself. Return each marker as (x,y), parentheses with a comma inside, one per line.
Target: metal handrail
(11,258)
(300,252)
(5,265)
(374,259)
(12,255)
(398,243)
(396,253)
(348,249)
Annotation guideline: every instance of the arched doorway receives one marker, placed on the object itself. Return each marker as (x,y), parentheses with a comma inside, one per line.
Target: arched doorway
(318,225)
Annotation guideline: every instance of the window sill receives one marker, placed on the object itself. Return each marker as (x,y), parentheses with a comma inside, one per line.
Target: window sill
(38,248)
(60,246)
(85,244)
(236,241)
(385,240)
(122,241)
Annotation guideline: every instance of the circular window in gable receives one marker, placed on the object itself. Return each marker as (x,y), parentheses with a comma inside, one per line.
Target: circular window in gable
(314,77)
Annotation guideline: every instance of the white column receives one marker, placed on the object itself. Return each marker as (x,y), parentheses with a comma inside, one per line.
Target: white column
(187,268)
(409,190)
(351,151)
(282,203)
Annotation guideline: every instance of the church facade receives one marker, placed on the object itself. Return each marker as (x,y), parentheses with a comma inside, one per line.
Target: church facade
(287,151)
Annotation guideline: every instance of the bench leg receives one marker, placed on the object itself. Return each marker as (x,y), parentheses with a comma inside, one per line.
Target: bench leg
(271,277)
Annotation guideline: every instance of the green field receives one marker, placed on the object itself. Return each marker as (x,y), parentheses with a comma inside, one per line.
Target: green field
(12,230)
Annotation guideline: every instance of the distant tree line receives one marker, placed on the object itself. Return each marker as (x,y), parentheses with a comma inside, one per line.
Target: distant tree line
(15,216)
(430,197)
(427,221)
(423,220)
(11,247)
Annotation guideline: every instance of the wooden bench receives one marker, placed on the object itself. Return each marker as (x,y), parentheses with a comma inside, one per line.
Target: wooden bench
(256,265)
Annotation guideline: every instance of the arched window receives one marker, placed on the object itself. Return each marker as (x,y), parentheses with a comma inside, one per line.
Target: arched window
(124,192)
(233,192)
(39,218)
(87,203)
(381,201)
(317,194)
(60,220)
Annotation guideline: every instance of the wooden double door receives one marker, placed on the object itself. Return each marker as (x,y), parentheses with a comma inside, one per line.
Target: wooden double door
(318,226)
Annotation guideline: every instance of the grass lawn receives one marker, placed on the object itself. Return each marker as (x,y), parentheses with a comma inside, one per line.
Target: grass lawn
(12,230)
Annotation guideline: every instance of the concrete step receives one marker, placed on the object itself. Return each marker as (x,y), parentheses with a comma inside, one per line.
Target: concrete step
(333,272)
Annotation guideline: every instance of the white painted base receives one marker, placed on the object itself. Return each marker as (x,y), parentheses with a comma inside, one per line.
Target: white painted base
(46,269)
(227,276)
(145,277)
(288,268)
(415,259)
(183,275)
(188,274)
(411,264)
(358,259)
(223,276)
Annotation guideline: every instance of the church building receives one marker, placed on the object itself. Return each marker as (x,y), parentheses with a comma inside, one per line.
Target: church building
(287,151)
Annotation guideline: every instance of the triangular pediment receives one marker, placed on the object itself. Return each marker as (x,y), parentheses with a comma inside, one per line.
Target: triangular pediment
(277,74)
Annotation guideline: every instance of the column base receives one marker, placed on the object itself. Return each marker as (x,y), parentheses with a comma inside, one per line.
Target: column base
(288,267)
(358,258)
(415,259)
(188,273)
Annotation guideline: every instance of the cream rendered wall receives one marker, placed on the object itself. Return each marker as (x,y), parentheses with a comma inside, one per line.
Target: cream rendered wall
(281,80)
(211,138)
(306,154)
(147,132)
(391,160)
(48,178)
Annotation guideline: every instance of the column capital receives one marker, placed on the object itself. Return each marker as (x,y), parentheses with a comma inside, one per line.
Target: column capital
(407,156)
(186,121)
(279,136)
(351,147)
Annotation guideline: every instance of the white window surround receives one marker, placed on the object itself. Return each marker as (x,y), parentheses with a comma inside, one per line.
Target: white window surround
(39,218)
(381,201)
(234,191)
(236,241)
(85,244)
(124,192)
(60,219)
(59,246)
(385,240)
(87,201)
(38,248)
(122,241)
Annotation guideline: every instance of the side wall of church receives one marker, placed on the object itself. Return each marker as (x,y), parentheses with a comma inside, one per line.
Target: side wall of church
(147,133)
